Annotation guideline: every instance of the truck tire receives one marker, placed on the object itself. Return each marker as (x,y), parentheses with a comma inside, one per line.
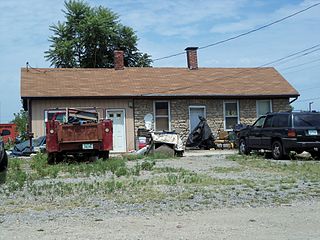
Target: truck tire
(51,158)
(4,163)
(278,151)
(315,155)
(104,155)
(243,148)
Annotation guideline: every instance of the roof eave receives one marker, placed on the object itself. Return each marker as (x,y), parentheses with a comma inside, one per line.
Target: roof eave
(173,96)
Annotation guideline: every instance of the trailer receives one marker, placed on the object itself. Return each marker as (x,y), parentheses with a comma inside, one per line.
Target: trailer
(78,134)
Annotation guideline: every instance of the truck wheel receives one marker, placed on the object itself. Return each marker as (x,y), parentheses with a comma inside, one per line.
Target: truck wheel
(277,151)
(51,158)
(315,155)
(4,163)
(104,155)
(243,148)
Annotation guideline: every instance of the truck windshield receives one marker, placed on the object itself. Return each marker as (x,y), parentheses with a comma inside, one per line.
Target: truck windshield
(306,120)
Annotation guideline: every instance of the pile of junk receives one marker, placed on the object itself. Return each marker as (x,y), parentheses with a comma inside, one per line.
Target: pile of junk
(202,137)
(170,143)
(152,142)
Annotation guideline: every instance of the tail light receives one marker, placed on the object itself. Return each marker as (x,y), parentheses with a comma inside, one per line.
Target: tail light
(292,133)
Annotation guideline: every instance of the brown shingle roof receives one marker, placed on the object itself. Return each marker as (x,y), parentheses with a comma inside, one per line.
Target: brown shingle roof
(148,82)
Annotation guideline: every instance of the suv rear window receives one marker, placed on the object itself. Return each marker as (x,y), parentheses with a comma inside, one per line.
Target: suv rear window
(306,120)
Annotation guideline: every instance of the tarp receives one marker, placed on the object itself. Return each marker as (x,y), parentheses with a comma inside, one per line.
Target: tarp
(168,138)
(201,136)
(23,149)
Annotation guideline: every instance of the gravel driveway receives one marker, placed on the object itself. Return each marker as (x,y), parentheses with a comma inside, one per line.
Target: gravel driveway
(208,196)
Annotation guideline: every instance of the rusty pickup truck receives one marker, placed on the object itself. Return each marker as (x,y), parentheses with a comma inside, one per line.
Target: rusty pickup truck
(79,134)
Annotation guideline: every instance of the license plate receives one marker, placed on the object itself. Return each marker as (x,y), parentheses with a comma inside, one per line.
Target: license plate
(87,146)
(312,132)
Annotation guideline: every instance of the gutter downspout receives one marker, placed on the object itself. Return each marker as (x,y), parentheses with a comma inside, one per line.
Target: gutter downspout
(293,100)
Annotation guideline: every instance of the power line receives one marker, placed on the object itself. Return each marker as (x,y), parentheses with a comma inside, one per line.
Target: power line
(289,57)
(299,70)
(308,99)
(243,34)
(302,64)
(304,51)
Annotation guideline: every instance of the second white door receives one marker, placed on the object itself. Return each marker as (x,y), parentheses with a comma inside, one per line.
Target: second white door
(119,133)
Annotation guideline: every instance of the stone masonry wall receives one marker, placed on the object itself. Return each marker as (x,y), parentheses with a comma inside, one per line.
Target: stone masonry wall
(179,111)
(280,105)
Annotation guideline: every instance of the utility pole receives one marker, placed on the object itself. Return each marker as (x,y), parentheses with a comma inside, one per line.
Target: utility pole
(310,109)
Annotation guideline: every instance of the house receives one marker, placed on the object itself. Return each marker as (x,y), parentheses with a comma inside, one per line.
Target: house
(172,98)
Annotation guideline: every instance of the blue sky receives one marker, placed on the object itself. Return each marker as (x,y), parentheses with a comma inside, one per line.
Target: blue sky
(167,27)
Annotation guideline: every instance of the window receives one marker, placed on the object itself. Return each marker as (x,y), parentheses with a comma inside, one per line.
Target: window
(231,115)
(280,120)
(268,121)
(263,107)
(162,115)
(307,120)
(60,115)
(259,122)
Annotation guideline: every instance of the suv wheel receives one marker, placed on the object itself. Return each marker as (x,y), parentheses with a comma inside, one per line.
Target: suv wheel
(243,148)
(315,155)
(277,150)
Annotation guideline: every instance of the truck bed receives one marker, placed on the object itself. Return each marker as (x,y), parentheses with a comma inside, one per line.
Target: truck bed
(72,133)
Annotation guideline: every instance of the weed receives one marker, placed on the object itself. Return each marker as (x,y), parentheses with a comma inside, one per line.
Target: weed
(158,155)
(131,157)
(148,165)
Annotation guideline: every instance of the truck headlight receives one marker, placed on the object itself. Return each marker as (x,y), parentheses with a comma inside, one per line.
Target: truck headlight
(51,131)
(107,130)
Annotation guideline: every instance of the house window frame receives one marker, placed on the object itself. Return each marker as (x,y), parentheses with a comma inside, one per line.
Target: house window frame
(46,111)
(155,116)
(257,105)
(196,106)
(224,113)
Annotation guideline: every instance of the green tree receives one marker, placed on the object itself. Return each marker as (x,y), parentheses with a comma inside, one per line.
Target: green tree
(21,121)
(89,37)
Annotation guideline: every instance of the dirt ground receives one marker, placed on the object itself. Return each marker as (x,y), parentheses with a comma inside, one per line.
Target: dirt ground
(20,218)
(298,221)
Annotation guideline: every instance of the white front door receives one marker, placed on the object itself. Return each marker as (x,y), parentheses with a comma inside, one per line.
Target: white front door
(194,113)
(119,131)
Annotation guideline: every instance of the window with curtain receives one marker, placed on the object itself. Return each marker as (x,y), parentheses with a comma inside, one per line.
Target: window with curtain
(231,115)
(162,115)
(263,107)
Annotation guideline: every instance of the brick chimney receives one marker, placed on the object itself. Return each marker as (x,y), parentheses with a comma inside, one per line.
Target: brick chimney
(192,58)
(118,60)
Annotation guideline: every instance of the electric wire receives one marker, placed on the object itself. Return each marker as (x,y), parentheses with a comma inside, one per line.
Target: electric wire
(300,53)
(243,34)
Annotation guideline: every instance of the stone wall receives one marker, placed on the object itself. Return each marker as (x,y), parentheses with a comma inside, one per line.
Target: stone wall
(179,112)
(280,105)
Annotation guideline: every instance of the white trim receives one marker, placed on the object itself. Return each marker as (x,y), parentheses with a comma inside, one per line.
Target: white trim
(197,106)
(155,116)
(224,113)
(262,100)
(52,111)
(124,122)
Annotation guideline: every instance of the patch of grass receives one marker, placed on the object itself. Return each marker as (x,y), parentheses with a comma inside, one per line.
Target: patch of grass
(16,175)
(148,165)
(159,155)
(293,169)
(227,169)
(167,170)
(131,157)
(185,177)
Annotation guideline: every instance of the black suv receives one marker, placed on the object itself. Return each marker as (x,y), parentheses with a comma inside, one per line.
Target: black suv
(3,154)
(281,133)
